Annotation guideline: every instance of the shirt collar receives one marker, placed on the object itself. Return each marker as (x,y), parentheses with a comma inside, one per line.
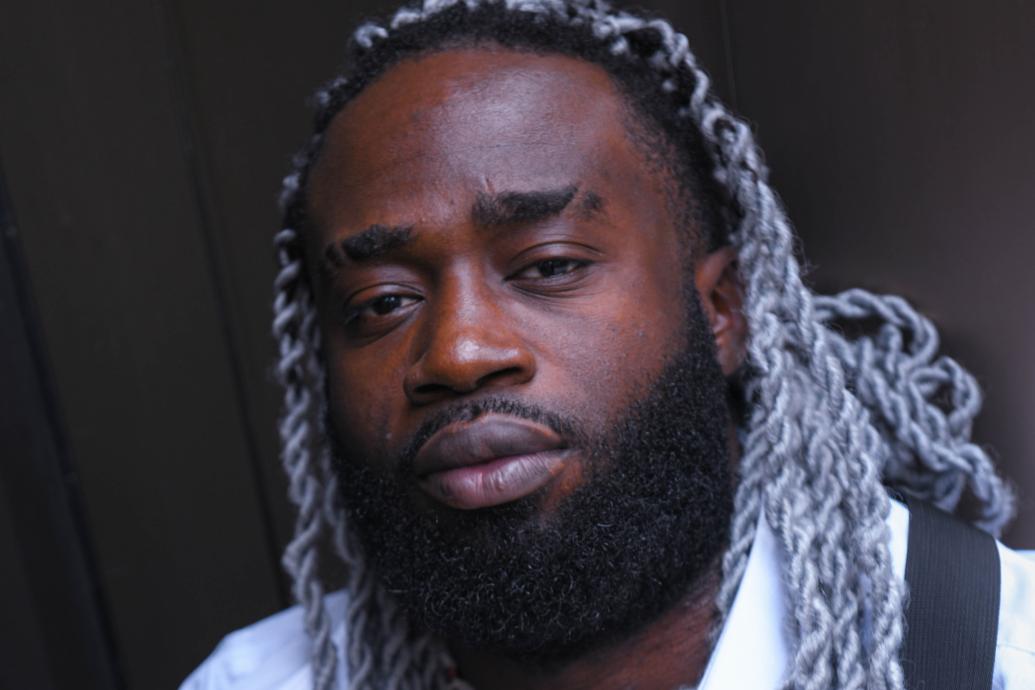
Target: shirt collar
(755,646)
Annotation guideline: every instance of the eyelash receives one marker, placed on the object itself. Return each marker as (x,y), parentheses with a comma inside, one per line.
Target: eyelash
(356,313)
(576,264)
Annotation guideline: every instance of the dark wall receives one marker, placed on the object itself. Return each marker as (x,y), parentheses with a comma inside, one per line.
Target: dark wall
(143,508)
(900,135)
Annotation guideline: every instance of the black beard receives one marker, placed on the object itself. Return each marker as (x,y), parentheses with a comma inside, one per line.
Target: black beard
(647,523)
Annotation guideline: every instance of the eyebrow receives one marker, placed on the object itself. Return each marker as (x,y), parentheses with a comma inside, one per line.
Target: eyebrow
(489,210)
(367,244)
(504,208)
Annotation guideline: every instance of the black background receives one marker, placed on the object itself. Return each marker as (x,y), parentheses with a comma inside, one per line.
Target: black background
(142,509)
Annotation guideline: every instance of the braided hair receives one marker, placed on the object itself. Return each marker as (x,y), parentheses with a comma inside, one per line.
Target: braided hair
(835,414)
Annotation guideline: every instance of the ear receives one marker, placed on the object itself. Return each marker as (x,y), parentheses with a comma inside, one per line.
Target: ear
(722,297)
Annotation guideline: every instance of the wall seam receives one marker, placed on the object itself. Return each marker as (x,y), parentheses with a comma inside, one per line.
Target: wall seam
(727,50)
(184,102)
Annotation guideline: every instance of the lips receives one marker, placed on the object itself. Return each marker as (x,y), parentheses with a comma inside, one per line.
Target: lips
(489,461)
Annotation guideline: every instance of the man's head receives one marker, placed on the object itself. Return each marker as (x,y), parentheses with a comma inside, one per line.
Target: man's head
(512,224)
(531,413)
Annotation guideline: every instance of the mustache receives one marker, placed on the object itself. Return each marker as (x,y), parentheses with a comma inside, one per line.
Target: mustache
(565,426)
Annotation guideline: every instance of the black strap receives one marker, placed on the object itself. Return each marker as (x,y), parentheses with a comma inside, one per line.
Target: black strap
(952,617)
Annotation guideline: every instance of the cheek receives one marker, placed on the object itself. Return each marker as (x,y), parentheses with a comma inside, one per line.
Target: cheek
(362,394)
(607,357)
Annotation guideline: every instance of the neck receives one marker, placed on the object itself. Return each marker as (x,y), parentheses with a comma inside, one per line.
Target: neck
(669,652)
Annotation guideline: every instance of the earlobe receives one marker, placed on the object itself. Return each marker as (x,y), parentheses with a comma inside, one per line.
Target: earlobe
(722,298)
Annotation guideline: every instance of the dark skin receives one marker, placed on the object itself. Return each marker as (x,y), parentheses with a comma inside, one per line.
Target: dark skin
(441,278)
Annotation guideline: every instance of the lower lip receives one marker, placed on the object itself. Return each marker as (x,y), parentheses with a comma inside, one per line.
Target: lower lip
(495,482)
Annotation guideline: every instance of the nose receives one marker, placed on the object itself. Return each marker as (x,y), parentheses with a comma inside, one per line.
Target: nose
(468,343)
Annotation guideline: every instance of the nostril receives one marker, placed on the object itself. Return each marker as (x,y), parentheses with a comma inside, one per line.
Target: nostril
(432,390)
(500,375)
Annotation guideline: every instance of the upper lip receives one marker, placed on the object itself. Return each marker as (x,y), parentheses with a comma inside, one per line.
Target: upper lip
(486,438)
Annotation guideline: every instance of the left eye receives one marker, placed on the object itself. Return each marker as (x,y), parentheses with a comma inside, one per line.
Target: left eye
(551,268)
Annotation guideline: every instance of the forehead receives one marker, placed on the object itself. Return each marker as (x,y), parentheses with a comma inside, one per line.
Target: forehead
(477,120)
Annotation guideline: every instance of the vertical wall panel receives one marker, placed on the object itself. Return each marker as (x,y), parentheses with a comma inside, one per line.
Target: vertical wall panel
(114,239)
(55,632)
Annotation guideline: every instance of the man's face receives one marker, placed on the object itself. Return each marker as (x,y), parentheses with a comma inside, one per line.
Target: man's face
(504,300)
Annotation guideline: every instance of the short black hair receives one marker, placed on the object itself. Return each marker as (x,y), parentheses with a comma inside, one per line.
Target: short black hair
(669,143)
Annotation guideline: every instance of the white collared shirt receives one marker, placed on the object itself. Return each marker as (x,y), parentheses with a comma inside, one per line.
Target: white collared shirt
(753,651)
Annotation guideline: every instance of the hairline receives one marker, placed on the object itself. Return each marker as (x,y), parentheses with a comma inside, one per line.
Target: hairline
(649,138)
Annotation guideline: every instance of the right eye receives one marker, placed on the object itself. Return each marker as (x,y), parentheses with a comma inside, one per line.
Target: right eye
(387,304)
(380,307)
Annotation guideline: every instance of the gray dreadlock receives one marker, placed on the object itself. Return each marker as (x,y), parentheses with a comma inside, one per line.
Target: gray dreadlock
(832,421)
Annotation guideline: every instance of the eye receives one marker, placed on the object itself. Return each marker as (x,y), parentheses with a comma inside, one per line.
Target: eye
(379,307)
(387,304)
(551,268)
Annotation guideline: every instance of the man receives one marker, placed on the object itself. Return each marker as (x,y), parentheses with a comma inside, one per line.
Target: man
(583,426)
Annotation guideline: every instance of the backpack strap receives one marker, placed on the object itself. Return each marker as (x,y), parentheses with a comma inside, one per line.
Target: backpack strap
(952,614)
